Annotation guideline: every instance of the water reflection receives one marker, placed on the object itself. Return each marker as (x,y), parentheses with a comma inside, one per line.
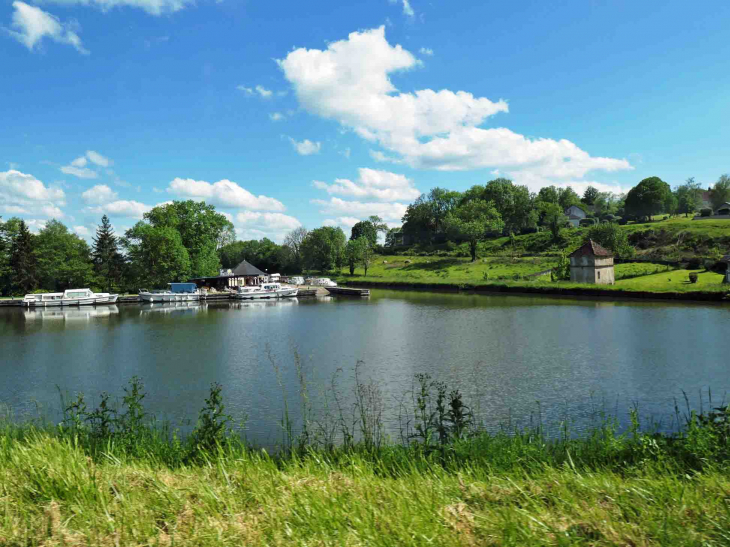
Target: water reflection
(177,308)
(70,314)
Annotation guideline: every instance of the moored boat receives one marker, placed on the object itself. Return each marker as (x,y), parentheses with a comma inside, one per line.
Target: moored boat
(267,291)
(178,292)
(70,297)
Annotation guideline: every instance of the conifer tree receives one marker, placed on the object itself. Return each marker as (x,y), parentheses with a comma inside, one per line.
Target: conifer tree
(23,267)
(108,262)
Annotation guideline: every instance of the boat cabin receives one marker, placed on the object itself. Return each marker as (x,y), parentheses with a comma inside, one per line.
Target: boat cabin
(48,297)
(183,288)
(77,293)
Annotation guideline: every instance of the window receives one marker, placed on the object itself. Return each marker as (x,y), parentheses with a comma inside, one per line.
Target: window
(599,275)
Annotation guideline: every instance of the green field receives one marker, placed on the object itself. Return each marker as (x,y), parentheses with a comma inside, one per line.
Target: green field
(676,280)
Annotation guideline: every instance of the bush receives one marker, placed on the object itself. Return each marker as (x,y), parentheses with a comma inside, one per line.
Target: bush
(706,212)
(586,222)
(613,238)
(694,263)
(693,278)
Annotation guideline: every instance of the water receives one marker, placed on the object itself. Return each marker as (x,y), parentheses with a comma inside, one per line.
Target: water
(506,353)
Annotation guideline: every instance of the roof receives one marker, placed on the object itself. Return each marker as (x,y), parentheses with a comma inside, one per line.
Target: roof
(245,268)
(724,206)
(577,207)
(591,248)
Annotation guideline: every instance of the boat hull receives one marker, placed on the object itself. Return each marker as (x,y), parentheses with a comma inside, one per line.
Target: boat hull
(267,295)
(168,297)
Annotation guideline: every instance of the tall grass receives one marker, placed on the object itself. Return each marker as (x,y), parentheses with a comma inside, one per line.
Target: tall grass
(113,475)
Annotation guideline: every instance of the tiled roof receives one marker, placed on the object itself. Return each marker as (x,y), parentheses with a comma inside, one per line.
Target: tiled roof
(591,248)
(245,268)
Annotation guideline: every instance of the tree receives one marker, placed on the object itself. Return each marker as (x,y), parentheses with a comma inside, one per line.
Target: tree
(720,192)
(365,229)
(63,258)
(689,197)
(647,198)
(472,221)
(23,266)
(366,253)
(108,261)
(568,197)
(294,241)
(590,195)
(201,231)
(391,237)
(418,221)
(352,254)
(613,237)
(553,217)
(513,203)
(548,194)
(323,249)
(157,255)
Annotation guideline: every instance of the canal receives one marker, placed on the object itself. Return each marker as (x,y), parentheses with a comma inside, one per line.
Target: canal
(516,359)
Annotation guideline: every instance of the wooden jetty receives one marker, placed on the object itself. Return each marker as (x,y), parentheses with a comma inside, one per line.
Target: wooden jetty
(348,291)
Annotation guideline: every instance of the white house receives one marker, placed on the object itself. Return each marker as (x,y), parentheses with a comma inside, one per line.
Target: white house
(575,214)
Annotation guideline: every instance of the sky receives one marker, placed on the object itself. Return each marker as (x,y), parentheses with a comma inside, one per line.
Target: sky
(287,114)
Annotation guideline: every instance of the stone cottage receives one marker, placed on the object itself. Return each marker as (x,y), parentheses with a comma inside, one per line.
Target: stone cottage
(591,263)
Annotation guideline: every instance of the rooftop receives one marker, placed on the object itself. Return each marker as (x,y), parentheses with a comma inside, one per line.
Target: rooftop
(591,248)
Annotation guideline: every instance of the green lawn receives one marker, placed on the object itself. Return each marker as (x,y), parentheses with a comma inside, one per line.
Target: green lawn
(676,280)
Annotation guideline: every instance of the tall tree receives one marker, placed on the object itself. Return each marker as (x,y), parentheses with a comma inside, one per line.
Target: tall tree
(568,197)
(365,229)
(472,221)
(553,217)
(157,255)
(64,259)
(324,249)
(689,197)
(548,194)
(23,266)
(590,195)
(513,203)
(647,198)
(353,250)
(720,192)
(391,237)
(201,231)
(108,261)
(367,251)
(294,240)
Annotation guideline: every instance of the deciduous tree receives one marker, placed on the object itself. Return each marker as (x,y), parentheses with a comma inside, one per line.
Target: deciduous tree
(647,198)
(472,221)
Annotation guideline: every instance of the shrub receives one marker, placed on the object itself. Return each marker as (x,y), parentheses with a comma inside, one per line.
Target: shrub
(706,212)
(586,222)
(613,238)
(693,278)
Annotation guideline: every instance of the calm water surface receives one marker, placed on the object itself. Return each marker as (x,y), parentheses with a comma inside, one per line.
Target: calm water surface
(506,353)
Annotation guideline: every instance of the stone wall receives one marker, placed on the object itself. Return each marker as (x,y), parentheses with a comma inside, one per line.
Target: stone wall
(586,269)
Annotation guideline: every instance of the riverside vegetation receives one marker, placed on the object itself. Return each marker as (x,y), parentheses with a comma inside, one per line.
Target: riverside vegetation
(113,476)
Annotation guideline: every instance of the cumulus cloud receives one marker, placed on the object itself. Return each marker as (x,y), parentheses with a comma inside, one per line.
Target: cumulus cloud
(373,183)
(337,206)
(21,193)
(256,225)
(342,222)
(78,167)
(349,82)
(224,193)
(121,208)
(407,9)
(31,24)
(82,231)
(306,147)
(99,194)
(153,7)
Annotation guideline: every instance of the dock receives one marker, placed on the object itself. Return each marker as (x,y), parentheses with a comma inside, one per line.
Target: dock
(348,291)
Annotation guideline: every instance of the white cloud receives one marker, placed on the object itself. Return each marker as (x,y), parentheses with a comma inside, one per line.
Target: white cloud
(337,206)
(258,89)
(426,51)
(153,7)
(373,183)
(78,167)
(306,147)
(343,222)
(24,194)
(350,82)
(122,208)
(82,231)
(99,195)
(98,159)
(32,24)
(224,193)
(265,93)
(246,90)
(276,116)
(407,9)
(255,225)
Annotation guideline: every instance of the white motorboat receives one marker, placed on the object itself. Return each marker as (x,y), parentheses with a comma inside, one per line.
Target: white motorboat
(266,291)
(70,297)
(178,292)
(321,282)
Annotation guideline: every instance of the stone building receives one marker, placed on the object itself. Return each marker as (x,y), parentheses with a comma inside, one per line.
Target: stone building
(591,263)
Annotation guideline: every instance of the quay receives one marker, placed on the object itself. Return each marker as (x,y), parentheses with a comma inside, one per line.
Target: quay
(348,291)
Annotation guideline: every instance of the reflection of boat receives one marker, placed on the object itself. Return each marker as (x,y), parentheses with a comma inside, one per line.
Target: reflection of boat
(85,314)
(173,307)
(178,292)
(267,291)
(260,304)
(71,297)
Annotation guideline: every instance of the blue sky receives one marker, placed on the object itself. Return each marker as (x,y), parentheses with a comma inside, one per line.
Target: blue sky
(290,113)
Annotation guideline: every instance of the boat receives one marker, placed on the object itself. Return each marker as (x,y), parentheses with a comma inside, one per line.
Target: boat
(178,292)
(266,291)
(70,297)
(321,282)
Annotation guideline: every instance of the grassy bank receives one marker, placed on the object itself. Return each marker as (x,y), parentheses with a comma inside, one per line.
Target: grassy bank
(111,477)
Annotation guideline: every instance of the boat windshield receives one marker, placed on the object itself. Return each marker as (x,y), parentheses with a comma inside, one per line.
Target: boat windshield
(77,294)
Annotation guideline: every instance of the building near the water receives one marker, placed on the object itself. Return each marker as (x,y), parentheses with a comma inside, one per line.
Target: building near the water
(243,274)
(591,263)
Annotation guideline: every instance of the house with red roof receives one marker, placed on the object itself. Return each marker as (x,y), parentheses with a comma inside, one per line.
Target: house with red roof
(591,263)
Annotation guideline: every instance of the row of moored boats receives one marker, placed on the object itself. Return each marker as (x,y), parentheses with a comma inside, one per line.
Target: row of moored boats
(177,292)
